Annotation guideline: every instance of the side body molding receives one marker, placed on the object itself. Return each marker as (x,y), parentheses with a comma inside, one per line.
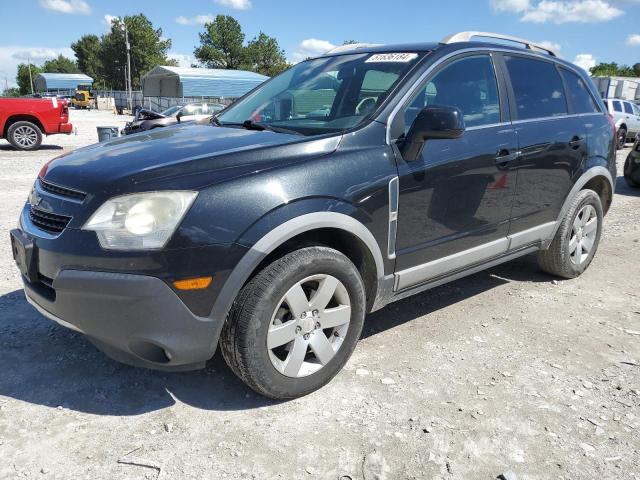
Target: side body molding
(596,171)
(279,235)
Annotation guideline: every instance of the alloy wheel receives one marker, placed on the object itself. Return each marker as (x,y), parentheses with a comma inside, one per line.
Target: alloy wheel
(25,136)
(583,234)
(309,325)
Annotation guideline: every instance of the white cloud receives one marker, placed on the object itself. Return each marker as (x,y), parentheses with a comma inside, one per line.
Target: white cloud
(311,47)
(633,40)
(552,45)
(235,4)
(11,56)
(579,11)
(195,20)
(108,19)
(585,61)
(561,11)
(184,60)
(515,6)
(67,6)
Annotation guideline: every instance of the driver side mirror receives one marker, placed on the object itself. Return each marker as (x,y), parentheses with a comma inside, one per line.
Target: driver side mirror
(434,122)
(179,116)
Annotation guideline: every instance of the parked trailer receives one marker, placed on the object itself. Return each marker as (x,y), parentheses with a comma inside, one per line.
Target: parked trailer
(625,88)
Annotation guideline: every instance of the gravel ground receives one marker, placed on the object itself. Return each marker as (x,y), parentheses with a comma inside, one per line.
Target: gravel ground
(504,372)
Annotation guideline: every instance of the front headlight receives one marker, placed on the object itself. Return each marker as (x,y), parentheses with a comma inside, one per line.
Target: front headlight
(140,221)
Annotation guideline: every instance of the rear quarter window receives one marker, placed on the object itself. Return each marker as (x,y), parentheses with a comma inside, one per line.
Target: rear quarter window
(537,88)
(617,106)
(578,93)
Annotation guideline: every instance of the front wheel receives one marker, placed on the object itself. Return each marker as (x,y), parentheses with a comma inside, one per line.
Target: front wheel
(577,238)
(296,323)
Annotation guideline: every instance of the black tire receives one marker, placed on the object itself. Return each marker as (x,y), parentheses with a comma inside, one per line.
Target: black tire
(557,260)
(24,136)
(628,173)
(243,340)
(622,138)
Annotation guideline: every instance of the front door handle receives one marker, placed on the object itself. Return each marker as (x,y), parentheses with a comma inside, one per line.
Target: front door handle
(505,156)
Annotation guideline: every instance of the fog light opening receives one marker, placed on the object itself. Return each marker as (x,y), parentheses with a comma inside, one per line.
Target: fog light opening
(150,352)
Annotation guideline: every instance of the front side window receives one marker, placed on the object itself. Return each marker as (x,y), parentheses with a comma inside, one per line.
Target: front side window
(579,96)
(171,110)
(537,87)
(617,106)
(627,108)
(323,95)
(468,84)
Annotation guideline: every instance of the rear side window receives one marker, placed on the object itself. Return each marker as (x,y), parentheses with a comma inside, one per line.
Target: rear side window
(579,96)
(617,106)
(468,84)
(628,108)
(537,87)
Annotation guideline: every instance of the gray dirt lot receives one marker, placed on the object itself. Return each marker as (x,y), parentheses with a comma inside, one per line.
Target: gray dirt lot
(504,370)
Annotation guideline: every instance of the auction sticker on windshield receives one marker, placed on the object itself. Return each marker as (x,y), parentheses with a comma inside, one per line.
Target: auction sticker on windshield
(391,57)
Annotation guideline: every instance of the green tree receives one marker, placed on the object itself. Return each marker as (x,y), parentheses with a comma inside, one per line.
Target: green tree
(61,64)
(148,50)
(614,70)
(350,42)
(263,55)
(87,51)
(22,78)
(11,92)
(221,44)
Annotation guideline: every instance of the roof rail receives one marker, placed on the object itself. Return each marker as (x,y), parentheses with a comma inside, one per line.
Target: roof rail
(467,36)
(351,46)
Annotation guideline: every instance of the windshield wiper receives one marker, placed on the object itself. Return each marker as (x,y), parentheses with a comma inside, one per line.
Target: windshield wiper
(251,125)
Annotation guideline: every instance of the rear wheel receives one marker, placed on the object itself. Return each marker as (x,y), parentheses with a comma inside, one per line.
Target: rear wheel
(296,323)
(622,138)
(577,238)
(24,135)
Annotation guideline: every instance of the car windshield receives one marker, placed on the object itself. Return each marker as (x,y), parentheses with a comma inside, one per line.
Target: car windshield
(171,110)
(323,95)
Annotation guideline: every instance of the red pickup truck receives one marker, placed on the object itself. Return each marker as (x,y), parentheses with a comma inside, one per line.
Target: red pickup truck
(23,121)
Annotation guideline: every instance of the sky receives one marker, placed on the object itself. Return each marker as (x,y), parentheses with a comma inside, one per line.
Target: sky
(584,31)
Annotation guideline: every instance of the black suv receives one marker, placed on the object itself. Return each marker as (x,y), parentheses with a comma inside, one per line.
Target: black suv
(347,182)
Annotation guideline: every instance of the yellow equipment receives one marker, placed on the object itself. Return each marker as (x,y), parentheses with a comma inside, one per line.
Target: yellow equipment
(82,97)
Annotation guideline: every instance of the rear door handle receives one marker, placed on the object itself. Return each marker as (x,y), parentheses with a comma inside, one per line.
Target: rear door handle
(505,156)
(575,142)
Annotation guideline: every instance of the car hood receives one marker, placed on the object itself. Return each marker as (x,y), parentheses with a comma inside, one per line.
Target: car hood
(181,157)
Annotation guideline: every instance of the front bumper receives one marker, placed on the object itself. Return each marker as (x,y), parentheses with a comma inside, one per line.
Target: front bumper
(135,319)
(124,301)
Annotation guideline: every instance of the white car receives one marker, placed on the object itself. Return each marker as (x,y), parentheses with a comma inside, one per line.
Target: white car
(626,115)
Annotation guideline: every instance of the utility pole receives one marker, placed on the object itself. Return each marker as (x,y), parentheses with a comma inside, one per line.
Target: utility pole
(128,79)
(30,78)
